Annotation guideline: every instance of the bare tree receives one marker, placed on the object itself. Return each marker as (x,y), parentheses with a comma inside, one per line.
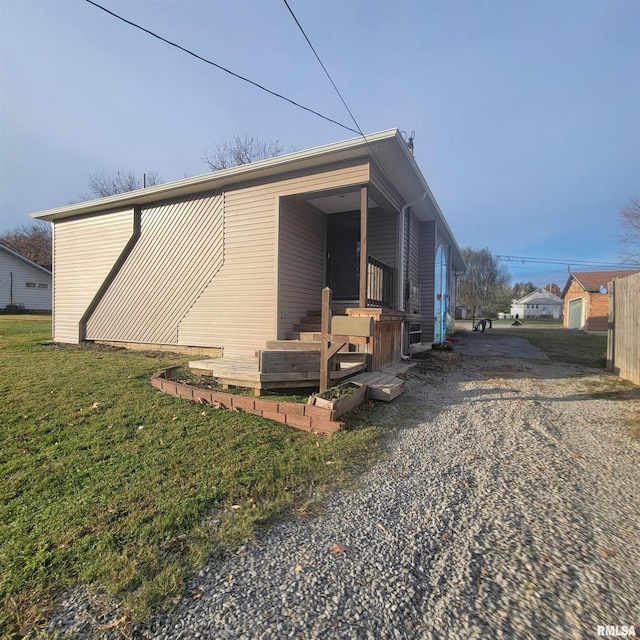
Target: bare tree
(243,150)
(32,241)
(630,238)
(485,287)
(522,289)
(552,287)
(103,185)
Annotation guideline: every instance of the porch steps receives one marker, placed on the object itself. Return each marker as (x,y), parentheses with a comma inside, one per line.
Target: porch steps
(308,327)
(280,374)
(306,336)
(294,345)
(310,323)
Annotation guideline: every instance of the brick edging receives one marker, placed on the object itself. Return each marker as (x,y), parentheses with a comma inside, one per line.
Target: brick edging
(295,414)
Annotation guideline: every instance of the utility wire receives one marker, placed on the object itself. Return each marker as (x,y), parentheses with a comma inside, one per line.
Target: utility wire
(315,53)
(235,75)
(585,263)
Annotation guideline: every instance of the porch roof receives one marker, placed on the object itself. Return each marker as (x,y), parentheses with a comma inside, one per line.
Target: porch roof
(387,149)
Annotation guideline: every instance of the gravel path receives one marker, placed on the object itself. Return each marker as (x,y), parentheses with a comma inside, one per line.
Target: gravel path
(506,506)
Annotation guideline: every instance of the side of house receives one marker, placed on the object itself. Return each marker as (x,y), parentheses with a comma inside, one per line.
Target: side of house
(24,285)
(234,259)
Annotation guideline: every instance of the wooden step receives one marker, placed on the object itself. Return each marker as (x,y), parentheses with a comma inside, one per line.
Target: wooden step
(382,386)
(286,361)
(309,326)
(294,345)
(302,335)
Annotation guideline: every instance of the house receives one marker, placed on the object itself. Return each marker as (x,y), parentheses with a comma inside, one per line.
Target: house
(232,260)
(586,299)
(538,304)
(24,285)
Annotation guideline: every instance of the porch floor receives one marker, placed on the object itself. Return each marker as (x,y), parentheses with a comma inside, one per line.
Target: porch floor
(236,371)
(239,371)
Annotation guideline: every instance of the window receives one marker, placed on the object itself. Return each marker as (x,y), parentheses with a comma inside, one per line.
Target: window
(31,285)
(43,285)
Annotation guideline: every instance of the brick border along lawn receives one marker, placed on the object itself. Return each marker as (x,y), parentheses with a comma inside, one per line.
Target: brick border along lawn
(295,414)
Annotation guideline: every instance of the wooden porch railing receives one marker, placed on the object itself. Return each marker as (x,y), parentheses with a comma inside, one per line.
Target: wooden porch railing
(380,284)
(350,331)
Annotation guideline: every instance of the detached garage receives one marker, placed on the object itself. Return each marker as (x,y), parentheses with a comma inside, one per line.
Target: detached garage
(586,299)
(576,313)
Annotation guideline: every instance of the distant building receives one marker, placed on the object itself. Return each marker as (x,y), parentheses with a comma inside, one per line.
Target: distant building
(538,304)
(24,285)
(586,299)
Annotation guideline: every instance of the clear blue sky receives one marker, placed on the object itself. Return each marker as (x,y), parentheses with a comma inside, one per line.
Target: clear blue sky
(526,112)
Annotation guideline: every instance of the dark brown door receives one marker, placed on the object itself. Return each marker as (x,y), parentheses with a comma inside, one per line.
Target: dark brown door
(343,255)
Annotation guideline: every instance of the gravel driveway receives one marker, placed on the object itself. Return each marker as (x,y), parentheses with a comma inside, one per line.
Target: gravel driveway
(507,506)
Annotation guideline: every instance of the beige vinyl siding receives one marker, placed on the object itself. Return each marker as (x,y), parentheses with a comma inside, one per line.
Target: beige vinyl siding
(453,284)
(382,241)
(301,265)
(239,308)
(85,251)
(414,254)
(179,251)
(427,278)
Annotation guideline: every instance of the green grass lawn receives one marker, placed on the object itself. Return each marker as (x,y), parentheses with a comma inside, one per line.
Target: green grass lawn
(107,483)
(564,345)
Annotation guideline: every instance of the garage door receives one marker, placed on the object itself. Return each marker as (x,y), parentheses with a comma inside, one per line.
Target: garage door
(575,313)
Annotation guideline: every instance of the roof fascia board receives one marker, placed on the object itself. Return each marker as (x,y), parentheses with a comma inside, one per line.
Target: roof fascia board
(218,179)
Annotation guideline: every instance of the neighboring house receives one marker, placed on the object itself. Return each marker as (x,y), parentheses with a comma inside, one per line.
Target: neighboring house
(538,304)
(235,258)
(586,299)
(24,285)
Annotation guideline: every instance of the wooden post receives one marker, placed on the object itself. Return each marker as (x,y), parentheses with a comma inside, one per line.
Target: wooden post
(364,265)
(325,329)
(611,328)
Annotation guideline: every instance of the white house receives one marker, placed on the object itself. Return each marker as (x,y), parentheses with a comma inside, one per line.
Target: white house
(538,304)
(24,285)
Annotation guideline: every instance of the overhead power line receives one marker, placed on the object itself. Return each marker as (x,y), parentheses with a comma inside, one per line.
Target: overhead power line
(315,53)
(324,68)
(605,266)
(214,64)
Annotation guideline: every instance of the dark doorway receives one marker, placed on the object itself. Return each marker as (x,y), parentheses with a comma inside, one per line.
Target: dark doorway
(343,255)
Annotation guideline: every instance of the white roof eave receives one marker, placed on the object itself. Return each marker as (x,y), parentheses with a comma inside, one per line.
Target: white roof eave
(387,148)
(307,158)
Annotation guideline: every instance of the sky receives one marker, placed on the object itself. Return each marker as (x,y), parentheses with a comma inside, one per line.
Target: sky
(526,113)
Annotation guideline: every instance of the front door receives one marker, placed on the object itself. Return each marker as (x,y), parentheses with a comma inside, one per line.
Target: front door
(343,255)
